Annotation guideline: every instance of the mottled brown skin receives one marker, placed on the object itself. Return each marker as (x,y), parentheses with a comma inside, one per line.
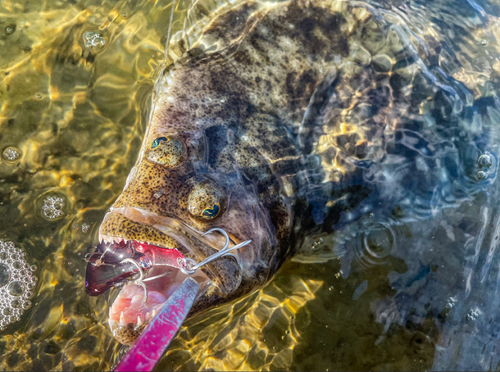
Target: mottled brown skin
(243,117)
(233,111)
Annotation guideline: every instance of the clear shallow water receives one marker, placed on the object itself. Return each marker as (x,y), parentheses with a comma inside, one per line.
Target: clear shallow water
(414,291)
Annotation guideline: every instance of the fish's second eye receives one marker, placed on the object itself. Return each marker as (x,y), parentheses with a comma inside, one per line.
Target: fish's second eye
(167,151)
(211,212)
(206,202)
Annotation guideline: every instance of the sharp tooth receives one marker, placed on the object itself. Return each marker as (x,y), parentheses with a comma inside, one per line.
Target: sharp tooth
(112,325)
(122,319)
(154,313)
(148,316)
(139,321)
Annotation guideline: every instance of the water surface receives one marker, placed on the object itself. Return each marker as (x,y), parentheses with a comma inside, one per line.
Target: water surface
(413,291)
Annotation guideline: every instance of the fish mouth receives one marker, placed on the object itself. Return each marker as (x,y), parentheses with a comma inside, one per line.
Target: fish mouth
(139,301)
(158,246)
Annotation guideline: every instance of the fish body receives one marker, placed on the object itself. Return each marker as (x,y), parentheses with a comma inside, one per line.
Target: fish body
(284,121)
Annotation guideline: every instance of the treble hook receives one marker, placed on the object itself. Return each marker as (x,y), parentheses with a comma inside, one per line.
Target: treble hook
(140,280)
(189,266)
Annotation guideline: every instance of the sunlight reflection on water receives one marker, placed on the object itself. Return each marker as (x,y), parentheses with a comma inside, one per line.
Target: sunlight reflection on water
(75,98)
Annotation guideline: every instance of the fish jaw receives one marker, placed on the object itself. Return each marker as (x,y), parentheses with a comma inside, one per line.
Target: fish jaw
(130,312)
(129,307)
(139,299)
(134,224)
(166,242)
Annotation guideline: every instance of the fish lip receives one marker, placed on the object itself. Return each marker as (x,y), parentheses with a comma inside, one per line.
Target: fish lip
(168,226)
(110,239)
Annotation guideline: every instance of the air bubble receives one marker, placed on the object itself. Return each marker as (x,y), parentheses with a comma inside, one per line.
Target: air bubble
(378,242)
(15,288)
(85,228)
(94,40)
(4,275)
(485,161)
(451,303)
(53,206)
(484,42)
(481,175)
(11,154)
(38,96)
(16,283)
(472,315)
(10,29)
(33,267)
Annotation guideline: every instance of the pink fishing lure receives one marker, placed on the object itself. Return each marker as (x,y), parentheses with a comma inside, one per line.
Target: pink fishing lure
(160,331)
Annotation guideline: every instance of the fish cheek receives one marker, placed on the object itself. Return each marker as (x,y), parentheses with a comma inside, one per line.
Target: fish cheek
(157,189)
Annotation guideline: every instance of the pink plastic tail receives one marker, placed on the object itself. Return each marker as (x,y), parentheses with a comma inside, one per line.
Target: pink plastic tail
(150,346)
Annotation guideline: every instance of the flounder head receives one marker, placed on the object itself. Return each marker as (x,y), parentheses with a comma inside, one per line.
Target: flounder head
(219,153)
(172,197)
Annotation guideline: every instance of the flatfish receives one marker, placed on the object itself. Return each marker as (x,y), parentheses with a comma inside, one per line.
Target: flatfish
(284,121)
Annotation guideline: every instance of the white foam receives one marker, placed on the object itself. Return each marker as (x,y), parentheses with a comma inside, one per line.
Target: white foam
(14,302)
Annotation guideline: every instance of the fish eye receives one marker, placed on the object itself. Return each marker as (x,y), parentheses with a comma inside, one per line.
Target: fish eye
(206,202)
(166,151)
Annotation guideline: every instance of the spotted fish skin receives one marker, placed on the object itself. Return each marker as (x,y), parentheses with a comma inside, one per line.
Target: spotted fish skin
(251,121)
(237,112)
